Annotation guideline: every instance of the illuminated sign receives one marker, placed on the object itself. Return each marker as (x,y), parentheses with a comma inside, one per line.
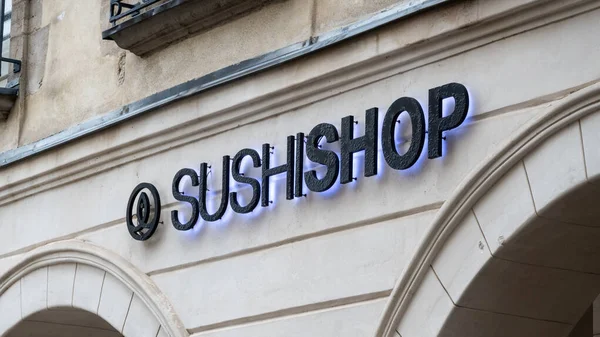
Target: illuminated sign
(301,147)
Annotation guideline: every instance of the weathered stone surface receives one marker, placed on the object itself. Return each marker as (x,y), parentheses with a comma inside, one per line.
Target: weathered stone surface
(172,21)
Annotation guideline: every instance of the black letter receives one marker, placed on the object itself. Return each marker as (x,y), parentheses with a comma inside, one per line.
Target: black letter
(417,120)
(224,192)
(240,178)
(439,124)
(299,164)
(181,197)
(323,157)
(351,145)
(267,172)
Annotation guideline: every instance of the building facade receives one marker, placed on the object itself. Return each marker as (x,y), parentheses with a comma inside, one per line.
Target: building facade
(311,168)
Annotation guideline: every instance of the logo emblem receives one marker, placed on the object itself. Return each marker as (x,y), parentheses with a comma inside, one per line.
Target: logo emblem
(147,214)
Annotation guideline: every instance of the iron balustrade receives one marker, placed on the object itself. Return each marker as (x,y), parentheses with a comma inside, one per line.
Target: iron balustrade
(17,63)
(131,10)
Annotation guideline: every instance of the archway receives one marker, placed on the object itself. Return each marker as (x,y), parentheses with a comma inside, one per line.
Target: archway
(63,322)
(77,276)
(515,251)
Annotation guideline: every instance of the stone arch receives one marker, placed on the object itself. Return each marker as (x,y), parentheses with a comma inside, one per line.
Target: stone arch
(547,178)
(77,274)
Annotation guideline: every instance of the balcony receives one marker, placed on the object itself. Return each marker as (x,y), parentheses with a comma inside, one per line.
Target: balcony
(149,25)
(9,84)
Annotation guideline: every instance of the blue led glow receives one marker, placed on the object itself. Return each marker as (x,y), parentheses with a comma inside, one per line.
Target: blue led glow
(279,181)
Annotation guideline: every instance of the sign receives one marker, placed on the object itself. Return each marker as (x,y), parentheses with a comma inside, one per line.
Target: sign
(300,148)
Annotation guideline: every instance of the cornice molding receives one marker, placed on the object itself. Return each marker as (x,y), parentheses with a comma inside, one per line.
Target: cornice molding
(217,78)
(288,97)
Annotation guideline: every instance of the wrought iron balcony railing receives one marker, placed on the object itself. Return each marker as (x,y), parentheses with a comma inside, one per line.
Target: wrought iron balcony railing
(123,9)
(6,17)
(143,26)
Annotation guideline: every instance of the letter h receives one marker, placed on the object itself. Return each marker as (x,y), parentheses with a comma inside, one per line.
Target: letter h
(350,145)
(267,171)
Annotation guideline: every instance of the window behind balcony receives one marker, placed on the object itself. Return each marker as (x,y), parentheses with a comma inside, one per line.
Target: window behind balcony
(6,23)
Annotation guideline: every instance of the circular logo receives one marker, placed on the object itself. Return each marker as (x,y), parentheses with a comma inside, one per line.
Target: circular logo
(147,214)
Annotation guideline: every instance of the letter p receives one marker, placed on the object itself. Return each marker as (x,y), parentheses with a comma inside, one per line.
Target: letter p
(439,124)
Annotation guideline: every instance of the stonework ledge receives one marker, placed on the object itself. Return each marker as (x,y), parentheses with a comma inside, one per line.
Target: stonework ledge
(8,96)
(174,20)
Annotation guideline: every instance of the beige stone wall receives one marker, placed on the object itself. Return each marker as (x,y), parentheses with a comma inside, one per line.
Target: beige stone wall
(320,266)
(71,74)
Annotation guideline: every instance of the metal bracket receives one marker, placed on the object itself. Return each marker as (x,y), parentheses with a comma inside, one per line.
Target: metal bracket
(17,63)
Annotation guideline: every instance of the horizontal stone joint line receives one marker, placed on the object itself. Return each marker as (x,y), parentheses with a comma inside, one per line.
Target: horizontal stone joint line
(513,315)
(319,306)
(546,267)
(303,237)
(567,223)
(68,324)
(73,235)
(532,103)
